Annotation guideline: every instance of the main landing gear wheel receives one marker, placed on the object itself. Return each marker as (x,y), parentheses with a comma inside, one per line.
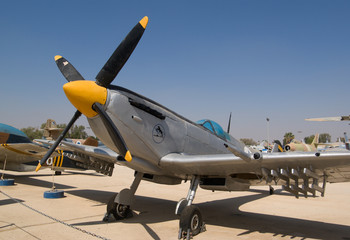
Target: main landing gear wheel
(191,222)
(118,210)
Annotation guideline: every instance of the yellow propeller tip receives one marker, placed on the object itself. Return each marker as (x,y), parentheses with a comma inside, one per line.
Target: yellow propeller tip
(128,156)
(38,167)
(144,22)
(57,57)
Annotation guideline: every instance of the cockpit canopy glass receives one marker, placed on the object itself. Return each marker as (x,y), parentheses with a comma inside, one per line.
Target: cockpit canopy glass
(214,128)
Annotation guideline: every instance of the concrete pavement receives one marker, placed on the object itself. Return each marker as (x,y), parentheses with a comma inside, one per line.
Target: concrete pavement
(228,215)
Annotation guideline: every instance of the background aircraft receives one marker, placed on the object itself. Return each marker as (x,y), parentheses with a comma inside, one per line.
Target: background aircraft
(296,145)
(96,157)
(332,119)
(164,147)
(334,145)
(51,131)
(326,119)
(19,153)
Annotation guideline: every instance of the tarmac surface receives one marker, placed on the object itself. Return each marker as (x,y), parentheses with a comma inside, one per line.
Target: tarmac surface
(26,214)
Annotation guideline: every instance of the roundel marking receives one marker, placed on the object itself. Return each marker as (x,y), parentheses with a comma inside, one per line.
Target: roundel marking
(158,133)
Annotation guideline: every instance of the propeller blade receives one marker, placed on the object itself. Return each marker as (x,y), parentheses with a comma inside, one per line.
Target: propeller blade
(114,132)
(59,139)
(121,54)
(67,69)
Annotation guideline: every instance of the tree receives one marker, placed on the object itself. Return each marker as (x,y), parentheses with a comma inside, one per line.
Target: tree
(32,133)
(77,132)
(324,138)
(248,141)
(309,139)
(288,137)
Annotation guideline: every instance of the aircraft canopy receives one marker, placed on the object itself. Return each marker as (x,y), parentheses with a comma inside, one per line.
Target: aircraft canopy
(214,128)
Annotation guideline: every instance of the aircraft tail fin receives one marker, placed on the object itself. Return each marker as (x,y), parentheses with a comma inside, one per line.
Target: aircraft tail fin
(90,141)
(277,146)
(315,141)
(51,131)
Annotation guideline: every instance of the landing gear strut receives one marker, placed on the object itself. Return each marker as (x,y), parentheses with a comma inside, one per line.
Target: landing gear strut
(119,203)
(191,221)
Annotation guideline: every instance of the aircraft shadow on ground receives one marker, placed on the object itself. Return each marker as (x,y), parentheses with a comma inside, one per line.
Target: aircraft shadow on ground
(224,213)
(29,180)
(9,201)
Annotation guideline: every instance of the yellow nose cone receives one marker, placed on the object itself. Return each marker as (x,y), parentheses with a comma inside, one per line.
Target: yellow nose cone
(83,94)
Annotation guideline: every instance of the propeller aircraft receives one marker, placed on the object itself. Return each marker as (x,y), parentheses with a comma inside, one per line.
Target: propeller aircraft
(166,148)
(19,153)
(296,145)
(51,131)
(329,119)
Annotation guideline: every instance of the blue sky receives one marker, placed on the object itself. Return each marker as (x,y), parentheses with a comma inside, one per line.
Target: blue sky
(286,60)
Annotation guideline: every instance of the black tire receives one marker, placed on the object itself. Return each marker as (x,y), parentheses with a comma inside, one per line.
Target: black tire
(119,211)
(58,173)
(122,211)
(191,218)
(111,205)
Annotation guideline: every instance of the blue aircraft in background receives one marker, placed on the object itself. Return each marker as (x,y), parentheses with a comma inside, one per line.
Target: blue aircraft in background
(19,153)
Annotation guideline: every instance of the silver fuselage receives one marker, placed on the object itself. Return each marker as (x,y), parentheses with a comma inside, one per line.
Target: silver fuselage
(152,131)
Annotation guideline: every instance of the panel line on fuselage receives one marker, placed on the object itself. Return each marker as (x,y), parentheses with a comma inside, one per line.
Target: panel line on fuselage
(122,89)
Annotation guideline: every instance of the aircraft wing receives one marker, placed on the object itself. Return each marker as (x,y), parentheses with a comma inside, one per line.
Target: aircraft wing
(101,153)
(100,159)
(25,156)
(336,165)
(22,152)
(331,119)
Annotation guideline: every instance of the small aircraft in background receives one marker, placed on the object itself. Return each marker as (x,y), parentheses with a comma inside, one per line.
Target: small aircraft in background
(51,131)
(329,119)
(296,145)
(334,119)
(335,145)
(19,153)
(261,147)
(93,156)
(166,148)
(85,153)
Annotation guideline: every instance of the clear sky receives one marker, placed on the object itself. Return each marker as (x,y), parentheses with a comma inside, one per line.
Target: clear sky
(285,60)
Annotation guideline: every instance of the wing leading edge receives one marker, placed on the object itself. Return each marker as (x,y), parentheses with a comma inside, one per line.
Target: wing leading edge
(298,173)
(228,164)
